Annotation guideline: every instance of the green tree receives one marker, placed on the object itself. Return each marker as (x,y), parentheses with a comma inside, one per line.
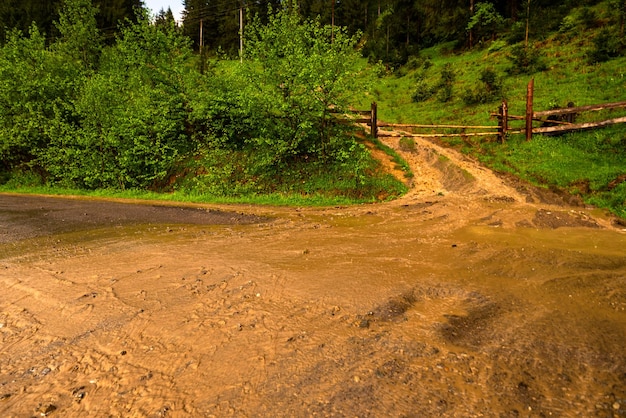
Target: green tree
(485,22)
(300,76)
(165,18)
(20,15)
(40,85)
(133,113)
(80,41)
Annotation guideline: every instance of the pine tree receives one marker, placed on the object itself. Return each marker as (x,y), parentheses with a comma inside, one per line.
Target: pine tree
(20,14)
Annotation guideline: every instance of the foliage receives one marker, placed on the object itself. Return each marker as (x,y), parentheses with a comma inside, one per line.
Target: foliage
(76,113)
(21,14)
(485,22)
(79,39)
(445,85)
(526,59)
(423,91)
(37,90)
(123,126)
(606,45)
(299,73)
(489,89)
(133,112)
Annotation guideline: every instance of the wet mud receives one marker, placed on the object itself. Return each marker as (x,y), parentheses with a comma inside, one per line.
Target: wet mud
(468,297)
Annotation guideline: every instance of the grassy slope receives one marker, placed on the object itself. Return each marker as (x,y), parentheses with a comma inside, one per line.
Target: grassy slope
(584,163)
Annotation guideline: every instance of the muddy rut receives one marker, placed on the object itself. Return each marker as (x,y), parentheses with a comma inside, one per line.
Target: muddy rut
(473,295)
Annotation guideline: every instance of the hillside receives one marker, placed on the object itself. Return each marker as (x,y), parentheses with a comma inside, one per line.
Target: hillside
(465,87)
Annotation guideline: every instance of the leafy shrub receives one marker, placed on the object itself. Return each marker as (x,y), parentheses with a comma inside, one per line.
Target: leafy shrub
(489,90)
(606,45)
(445,85)
(37,89)
(423,91)
(496,46)
(485,22)
(526,59)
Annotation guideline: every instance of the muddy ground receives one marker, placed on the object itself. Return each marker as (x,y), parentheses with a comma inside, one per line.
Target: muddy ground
(471,296)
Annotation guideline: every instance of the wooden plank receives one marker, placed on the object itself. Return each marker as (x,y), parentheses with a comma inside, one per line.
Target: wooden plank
(580,109)
(580,126)
(397,135)
(405,125)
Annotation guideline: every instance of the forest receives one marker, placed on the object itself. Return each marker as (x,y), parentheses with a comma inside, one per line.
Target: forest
(390,30)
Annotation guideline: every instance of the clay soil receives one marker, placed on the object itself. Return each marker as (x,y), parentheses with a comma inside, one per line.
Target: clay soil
(473,295)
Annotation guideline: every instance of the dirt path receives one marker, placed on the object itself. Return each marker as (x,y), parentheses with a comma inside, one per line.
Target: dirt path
(470,296)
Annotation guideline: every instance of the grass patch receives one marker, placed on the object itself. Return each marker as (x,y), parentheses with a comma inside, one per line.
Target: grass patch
(397,159)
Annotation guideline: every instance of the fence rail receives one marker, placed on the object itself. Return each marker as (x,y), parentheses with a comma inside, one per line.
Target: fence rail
(553,121)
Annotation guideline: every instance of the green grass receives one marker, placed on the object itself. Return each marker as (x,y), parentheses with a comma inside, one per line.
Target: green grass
(584,163)
(274,199)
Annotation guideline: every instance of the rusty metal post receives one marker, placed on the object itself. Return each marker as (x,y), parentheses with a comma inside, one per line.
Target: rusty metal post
(530,91)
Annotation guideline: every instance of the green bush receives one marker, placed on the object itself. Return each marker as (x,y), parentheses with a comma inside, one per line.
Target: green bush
(423,91)
(606,45)
(490,89)
(445,86)
(526,59)
(407,144)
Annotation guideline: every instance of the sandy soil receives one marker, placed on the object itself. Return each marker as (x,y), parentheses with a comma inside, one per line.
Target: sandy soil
(473,295)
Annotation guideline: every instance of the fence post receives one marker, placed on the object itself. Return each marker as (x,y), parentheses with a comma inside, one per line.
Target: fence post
(530,91)
(503,121)
(374,120)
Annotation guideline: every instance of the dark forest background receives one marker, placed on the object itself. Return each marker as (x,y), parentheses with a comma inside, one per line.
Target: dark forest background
(392,30)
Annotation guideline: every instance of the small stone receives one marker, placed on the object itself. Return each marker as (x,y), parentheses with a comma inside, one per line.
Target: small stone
(616,405)
(46,409)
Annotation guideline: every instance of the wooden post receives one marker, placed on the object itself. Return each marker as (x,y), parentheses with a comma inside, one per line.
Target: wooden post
(374,120)
(529,109)
(241,33)
(201,35)
(503,121)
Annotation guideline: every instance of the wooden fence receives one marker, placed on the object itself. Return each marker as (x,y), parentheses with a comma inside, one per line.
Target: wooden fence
(552,121)
(372,121)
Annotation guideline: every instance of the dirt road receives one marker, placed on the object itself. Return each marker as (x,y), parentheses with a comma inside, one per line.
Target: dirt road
(470,296)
